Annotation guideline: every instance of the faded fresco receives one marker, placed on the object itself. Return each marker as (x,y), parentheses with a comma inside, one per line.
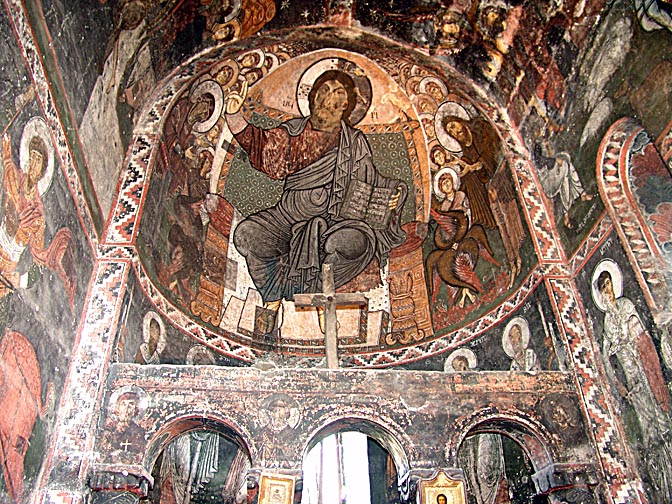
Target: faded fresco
(637,359)
(131,45)
(526,54)
(199,467)
(496,469)
(146,337)
(272,165)
(626,73)
(44,271)
(274,153)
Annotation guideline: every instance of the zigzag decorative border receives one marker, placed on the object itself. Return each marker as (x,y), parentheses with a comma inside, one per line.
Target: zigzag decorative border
(73,428)
(123,226)
(600,231)
(128,209)
(454,339)
(43,92)
(584,359)
(612,174)
(190,326)
(545,237)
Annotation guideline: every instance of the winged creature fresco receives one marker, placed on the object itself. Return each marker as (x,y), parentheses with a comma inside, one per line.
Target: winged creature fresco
(473,203)
(459,245)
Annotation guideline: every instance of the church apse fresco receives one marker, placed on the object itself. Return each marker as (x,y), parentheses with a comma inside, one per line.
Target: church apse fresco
(275,161)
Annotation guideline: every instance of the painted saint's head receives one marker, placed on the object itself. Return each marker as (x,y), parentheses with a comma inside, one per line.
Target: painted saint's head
(37,161)
(154,335)
(456,128)
(606,287)
(126,408)
(332,98)
(460,363)
(516,337)
(438,155)
(441,499)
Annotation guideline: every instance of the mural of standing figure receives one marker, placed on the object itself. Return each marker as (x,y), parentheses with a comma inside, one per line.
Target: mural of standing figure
(559,179)
(486,183)
(633,367)
(23,223)
(321,158)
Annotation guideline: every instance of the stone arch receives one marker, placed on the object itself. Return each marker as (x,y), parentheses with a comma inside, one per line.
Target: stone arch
(183,425)
(626,158)
(386,436)
(530,435)
(550,475)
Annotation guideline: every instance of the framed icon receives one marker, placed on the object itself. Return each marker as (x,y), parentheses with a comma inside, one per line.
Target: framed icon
(442,489)
(276,489)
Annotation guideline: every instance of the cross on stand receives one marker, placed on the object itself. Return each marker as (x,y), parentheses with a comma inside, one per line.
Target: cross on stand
(329,300)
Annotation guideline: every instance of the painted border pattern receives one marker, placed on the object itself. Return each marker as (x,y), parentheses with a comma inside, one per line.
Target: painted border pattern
(612,181)
(624,487)
(448,342)
(24,36)
(190,326)
(74,425)
(591,243)
(123,225)
(544,235)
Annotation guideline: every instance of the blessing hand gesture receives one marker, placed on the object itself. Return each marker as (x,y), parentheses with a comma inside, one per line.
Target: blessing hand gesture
(235,99)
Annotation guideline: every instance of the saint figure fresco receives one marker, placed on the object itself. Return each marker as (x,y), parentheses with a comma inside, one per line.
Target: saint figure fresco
(335,207)
(124,436)
(515,341)
(24,223)
(460,360)
(632,364)
(153,340)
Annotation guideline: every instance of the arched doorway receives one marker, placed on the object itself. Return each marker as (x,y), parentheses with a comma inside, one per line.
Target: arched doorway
(204,463)
(355,462)
(500,458)
(496,470)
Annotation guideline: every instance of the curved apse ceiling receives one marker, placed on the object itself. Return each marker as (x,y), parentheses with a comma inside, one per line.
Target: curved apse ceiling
(466,263)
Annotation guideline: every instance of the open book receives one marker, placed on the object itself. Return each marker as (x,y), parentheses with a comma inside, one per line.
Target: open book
(368,203)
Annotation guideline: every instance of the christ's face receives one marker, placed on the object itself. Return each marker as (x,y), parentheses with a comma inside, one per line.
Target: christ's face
(331,100)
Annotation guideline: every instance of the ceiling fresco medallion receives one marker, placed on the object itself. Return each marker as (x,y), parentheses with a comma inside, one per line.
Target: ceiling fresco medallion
(270,165)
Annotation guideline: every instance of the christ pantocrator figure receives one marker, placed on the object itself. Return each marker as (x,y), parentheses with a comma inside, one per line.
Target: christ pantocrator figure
(317,156)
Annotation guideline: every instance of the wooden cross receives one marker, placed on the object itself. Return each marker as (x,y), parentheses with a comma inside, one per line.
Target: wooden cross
(329,300)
